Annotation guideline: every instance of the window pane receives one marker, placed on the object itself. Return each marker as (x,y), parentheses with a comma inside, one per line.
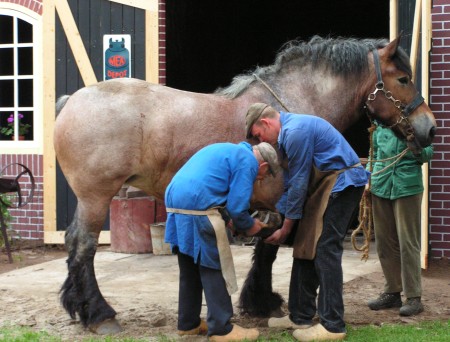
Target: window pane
(25,31)
(6,93)
(25,61)
(6,62)
(25,93)
(6,29)
(5,126)
(26,125)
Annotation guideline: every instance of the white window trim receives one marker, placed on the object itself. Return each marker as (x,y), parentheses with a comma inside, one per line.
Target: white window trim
(35,146)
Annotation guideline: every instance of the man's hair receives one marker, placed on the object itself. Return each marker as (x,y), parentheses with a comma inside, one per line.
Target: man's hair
(268,113)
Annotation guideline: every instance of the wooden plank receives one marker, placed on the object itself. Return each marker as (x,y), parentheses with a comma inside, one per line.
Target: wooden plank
(415,38)
(149,5)
(151,47)
(97,30)
(128,22)
(81,17)
(393,22)
(116,18)
(75,42)
(49,159)
(426,47)
(139,45)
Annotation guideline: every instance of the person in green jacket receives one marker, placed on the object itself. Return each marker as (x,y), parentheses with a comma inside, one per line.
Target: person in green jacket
(396,205)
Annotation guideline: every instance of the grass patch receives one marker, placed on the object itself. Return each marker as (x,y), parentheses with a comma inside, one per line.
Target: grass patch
(426,331)
(20,334)
(436,331)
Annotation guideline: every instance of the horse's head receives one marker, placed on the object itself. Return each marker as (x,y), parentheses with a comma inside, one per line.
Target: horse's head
(395,101)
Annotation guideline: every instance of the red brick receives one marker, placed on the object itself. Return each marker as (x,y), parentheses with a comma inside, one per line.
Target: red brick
(435,237)
(441,245)
(436,254)
(435,221)
(439,229)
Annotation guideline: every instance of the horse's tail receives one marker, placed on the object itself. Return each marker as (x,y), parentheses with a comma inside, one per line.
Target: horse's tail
(60,103)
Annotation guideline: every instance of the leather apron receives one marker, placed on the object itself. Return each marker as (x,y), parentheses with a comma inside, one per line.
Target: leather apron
(223,245)
(310,226)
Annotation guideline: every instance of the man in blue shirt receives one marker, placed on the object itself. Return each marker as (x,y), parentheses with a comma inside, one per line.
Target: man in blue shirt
(313,149)
(219,175)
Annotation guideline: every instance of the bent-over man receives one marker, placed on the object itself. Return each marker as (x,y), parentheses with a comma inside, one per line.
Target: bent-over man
(220,175)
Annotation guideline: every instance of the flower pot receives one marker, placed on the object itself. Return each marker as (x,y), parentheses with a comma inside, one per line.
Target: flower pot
(21,137)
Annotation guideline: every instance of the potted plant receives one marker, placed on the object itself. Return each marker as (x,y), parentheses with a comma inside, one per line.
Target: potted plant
(8,130)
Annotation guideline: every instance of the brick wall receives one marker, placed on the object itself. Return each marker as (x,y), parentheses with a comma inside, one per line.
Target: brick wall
(27,221)
(34,5)
(439,203)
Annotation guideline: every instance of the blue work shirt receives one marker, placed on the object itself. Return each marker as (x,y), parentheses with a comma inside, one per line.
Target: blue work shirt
(308,140)
(221,174)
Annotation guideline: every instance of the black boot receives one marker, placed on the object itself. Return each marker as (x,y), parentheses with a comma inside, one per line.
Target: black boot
(386,301)
(413,306)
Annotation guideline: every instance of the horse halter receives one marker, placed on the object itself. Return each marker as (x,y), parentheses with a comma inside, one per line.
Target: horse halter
(405,110)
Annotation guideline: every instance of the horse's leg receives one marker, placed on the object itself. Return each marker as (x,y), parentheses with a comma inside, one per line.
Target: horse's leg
(80,293)
(257,297)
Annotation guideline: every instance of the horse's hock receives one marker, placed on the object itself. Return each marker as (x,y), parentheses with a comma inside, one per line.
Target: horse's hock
(137,223)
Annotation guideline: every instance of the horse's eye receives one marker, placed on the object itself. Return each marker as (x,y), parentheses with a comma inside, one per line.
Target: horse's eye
(403,80)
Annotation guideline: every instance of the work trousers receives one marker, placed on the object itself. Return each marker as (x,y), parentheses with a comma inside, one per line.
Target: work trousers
(325,270)
(194,279)
(397,236)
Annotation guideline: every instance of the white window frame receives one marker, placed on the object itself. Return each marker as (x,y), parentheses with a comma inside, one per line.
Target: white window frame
(34,146)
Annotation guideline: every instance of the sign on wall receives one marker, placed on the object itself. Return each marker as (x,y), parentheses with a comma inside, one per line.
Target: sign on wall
(116,56)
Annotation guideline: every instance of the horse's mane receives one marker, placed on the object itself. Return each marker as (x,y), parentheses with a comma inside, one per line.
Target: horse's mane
(342,56)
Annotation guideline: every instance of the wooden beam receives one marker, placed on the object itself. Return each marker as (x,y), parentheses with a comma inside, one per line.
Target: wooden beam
(415,38)
(75,42)
(426,48)
(48,72)
(151,46)
(393,22)
(148,5)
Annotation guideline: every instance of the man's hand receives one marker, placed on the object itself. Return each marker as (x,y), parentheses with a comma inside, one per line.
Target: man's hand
(257,226)
(280,235)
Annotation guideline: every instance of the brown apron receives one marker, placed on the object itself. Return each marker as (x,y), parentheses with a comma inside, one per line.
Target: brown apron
(310,226)
(225,256)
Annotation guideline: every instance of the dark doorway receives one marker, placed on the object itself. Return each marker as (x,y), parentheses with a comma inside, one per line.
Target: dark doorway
(208,42)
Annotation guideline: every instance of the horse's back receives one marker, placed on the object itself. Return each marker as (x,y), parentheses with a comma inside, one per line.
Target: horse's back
(138,132)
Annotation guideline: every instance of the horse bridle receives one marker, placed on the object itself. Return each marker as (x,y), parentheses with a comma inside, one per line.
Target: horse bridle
(405,110)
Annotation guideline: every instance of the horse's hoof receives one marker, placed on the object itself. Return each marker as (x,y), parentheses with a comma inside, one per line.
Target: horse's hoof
(108,327)
(277,313)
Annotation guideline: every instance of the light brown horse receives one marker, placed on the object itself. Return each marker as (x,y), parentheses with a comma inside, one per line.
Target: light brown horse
(130,131)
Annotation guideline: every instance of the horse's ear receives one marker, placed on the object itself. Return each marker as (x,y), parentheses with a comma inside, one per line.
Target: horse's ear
(392,47)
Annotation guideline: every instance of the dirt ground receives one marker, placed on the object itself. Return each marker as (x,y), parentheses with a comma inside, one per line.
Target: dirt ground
(147,308)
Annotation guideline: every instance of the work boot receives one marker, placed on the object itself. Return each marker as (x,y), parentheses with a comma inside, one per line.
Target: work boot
(413,306)
(386,301)
(317,333)
(237,334)
(202,329)
(285,323)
